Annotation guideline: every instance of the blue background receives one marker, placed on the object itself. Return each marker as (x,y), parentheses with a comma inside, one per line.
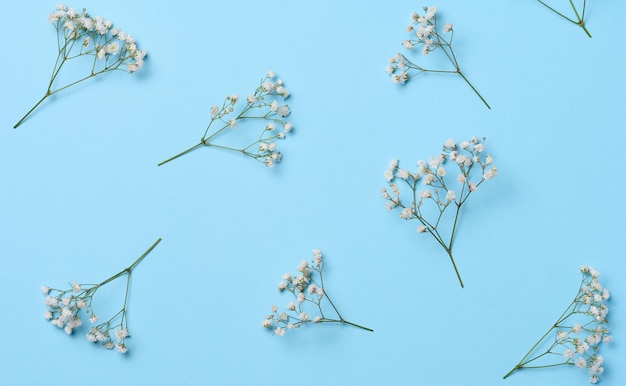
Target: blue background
(82,197)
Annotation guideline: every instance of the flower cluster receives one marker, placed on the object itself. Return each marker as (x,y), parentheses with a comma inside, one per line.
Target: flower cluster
(579,17)
(425,33)
(306,291)
(578,332)
(65,305)
(262,104)
(432,192)
(79,35)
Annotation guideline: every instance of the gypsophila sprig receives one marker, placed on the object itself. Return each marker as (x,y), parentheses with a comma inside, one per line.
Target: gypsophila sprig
(575,338)
(578,18)
(93,39)
(427,34)
(262,106)
(308,293)
(65,305)
(433,192)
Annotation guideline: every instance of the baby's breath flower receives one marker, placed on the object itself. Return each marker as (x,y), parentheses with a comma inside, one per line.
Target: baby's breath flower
(261,105)
(65,305)
(306,292)
(577,333)
(468,157)
(93,40)
(426,34)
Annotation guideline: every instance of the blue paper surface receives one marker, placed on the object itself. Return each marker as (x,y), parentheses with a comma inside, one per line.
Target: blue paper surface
(82,196)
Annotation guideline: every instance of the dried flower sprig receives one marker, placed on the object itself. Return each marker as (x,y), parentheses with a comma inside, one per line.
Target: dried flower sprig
(431,195)
(427,35)
(64,307)
(81,36)
(578,332)
(261,105)
(306,291)
(579,19)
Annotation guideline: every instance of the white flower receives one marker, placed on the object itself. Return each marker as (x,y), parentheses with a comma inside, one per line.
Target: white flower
(45,289)
(447,28)
(406,213)
(317,257)
(283,92)
(430,13)
(291,306)
(449,144)
(388,175)
(407,44)
(428,179)
(424,194)
(301,297)
(580,362)
(279,331)
(403,174)
(421,229)
(283,111)
(47,315)
(568,353)
(93,318)
(605,294)
(121,347)
(75,287)
(112,48)
(121,333)
(434,162)
(303,316)
(270,74)
(489,174)
(450,196)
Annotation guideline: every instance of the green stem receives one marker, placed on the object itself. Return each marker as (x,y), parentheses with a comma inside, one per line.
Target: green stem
(582,25)
(455,269)
(143,255)
(31,110)
(473,88)
(523,361)
(182,153)
(341,319)
(130,268)
(357,325)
